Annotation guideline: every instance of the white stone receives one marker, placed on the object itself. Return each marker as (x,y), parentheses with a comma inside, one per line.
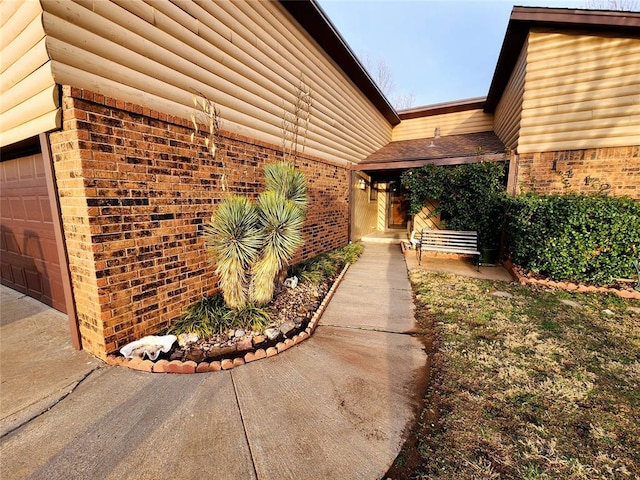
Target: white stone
(151,346)
(571,303)
(272,333)
(501,294)
(608,312)
(186,338)
(291,282)
(239,333)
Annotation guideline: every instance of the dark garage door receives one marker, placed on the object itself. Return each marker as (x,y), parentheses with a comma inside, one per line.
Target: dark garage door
(28,253)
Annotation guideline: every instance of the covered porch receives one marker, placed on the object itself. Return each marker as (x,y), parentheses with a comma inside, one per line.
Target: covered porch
(379,203)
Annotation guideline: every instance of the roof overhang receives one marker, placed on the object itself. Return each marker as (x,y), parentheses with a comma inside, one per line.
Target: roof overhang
(442,108)
(313,19)
(421,162)
(447,150)
(523,19)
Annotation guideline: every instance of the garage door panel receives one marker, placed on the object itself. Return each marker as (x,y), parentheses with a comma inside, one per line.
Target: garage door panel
(28,247)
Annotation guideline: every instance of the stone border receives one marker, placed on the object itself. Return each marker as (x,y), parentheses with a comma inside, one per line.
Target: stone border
(178,366)
(568,286)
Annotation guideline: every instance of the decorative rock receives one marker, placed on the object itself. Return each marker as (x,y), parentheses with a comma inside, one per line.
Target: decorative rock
(608,312)
(227,364)
(221,352)
(195,354)
(244,345)
(501,294)
(186,338)
(281,347)
(151,346)
(258,339)
(239,333)
(177,355)
(291,282)
(250,357)
(289,342)
(260,353)
(215,366)
(272,333)
(572,286)
(634,309)
(571,303)
(287,327)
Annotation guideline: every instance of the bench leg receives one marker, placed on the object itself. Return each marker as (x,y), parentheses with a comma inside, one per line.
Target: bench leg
(419,254)
(478,264)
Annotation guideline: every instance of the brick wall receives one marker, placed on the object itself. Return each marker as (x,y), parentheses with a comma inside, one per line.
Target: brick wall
(134,192)
(612,170)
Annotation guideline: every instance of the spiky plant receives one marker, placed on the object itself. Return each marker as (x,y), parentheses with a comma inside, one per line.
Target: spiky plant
(284,178)
(205,318)
(250,316)
(234,240)
(281,226)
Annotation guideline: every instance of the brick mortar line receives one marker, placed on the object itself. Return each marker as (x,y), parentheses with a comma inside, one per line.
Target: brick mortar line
(189,366)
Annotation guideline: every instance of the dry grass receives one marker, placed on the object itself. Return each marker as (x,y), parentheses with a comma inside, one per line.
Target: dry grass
(526,387)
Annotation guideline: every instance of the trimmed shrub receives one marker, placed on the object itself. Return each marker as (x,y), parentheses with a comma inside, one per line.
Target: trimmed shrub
(577,237)
(471,197)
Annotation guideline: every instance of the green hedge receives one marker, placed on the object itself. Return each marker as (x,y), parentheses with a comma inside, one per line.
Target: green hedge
(590,238)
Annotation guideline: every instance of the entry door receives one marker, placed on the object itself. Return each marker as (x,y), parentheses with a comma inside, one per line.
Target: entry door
(398,206)
(28,254)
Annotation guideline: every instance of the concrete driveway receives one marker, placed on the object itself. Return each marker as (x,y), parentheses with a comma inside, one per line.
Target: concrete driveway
(335,406)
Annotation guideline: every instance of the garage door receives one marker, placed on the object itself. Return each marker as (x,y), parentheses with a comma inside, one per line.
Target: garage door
(28,253)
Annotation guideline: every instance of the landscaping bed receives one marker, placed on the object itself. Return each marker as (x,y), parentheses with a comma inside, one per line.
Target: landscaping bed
(212,337)
(527,382)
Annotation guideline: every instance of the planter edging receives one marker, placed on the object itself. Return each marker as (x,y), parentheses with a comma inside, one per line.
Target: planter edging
(189,366)
(568,286)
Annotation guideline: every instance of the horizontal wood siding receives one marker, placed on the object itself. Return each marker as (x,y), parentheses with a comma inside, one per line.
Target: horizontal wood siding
(508,111)
(581,91)
(247,57)
(28,95)
(458,123)
(364,211)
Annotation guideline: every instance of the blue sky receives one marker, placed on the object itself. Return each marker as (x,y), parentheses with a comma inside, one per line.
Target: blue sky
(438,51)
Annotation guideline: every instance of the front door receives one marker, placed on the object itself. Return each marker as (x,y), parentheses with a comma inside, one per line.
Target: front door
(398,206)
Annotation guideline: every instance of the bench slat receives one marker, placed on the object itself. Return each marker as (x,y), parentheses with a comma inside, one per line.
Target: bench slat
(449,241)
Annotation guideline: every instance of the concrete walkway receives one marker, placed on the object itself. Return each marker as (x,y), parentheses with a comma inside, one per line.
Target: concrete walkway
(335,406)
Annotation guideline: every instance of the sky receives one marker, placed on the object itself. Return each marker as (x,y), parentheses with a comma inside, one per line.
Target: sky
(438,51)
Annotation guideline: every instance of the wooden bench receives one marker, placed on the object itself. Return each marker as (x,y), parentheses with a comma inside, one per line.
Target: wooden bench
(447,241)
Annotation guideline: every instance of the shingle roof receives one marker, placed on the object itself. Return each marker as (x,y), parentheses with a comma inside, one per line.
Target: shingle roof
(456,148)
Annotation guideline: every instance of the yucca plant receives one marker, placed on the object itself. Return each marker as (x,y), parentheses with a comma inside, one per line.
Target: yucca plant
(285,179)
(234,240)
(281,226)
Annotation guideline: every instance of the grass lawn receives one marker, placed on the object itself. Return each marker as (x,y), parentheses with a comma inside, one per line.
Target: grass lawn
(525,387)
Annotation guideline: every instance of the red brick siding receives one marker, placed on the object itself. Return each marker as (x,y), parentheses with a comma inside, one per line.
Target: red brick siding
(582,171)
(134,193)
